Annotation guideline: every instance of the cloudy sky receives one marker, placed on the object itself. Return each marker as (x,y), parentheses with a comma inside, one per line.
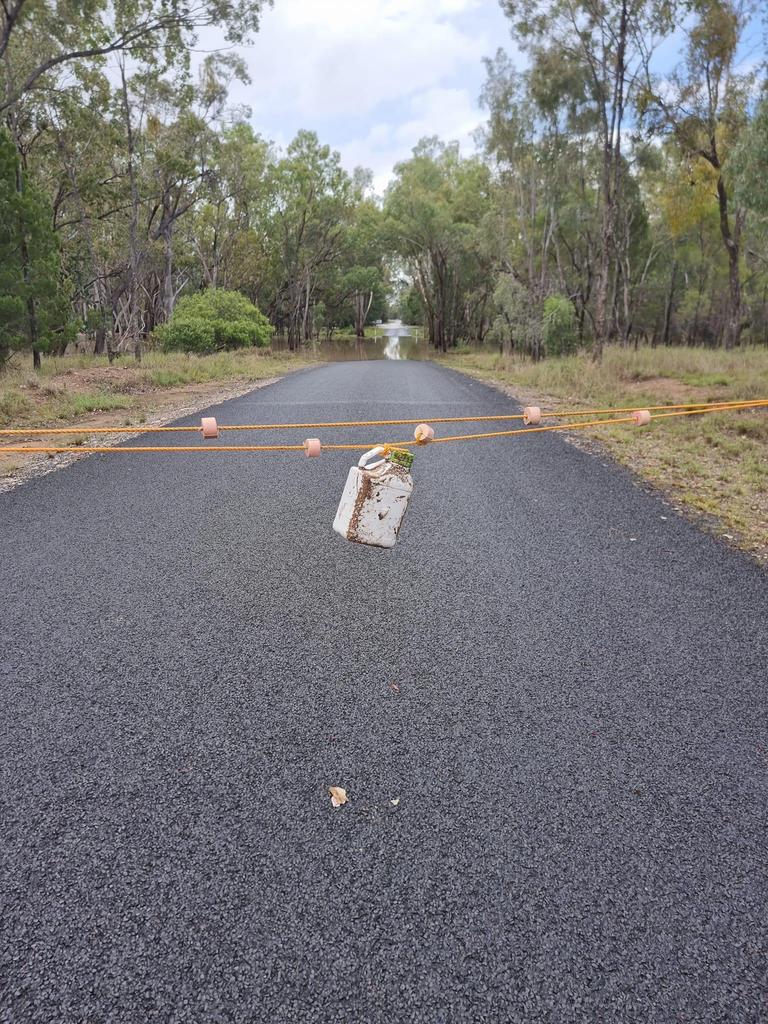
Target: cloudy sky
(372,77)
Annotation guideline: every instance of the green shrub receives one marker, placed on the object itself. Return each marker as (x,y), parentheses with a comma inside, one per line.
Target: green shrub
(192,335)
(237,334)
(214,320)
(561,336)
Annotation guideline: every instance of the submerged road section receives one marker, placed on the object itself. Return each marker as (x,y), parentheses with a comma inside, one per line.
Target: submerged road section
(548,706)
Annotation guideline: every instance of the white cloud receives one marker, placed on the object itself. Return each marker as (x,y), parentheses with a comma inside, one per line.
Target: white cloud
(342,58)
(449,113)
(370,76)
(345,16)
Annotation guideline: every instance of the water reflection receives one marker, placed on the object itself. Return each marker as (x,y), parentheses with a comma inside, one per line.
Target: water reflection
(392,348)
(392,340)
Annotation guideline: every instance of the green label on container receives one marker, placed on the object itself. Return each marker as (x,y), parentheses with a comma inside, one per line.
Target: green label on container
(401,457)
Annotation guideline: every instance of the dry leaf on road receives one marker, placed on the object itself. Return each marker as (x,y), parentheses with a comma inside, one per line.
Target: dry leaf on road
(338,795)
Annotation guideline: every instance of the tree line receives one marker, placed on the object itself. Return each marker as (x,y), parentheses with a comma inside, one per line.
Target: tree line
(610,200)
(614,201)
(128,180)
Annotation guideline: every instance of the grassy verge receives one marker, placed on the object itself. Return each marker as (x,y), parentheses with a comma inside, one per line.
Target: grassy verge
(86,391)
(714,467)
(69,387)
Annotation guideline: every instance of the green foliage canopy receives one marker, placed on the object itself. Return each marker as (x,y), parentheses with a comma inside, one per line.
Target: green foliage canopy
(33,307)
(213,320)
(561,336)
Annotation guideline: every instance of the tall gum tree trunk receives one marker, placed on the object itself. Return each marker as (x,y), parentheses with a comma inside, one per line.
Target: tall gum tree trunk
(305,332)
(32,326)
(168,295)
(362,309)
(668,304)
(133,226)
(215,270)
(601,294)
(103,340)
(295,314)
(611,127)
(731,240)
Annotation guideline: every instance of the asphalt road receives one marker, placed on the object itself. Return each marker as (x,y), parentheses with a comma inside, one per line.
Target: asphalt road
(547,704)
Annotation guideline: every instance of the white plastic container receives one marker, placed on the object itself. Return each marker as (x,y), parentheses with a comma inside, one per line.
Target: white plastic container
(375,498)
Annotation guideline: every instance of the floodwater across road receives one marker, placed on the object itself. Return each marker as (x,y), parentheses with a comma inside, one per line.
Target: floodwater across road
(392,340)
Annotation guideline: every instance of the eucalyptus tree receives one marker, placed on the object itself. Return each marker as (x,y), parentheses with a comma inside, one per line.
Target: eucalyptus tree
(435,207)
(589,55)
(524,228)
(365,275)
(183,141)
(64,31)
(313,201)
(32,307)
(152,40)
(749,162)
(703,105)
(171,127)
(227,228)
(76,161)
(635,252)
(682,202)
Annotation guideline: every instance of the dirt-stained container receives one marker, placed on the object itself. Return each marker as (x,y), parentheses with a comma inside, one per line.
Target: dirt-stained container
(375,498)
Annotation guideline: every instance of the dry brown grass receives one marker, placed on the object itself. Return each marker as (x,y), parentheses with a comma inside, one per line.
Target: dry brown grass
(72,386)
(86,391)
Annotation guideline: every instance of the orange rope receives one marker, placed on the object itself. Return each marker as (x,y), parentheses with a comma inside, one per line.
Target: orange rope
(529,430)
(37,431)
(689,411)
(189,448)
(706,406)
(595,423)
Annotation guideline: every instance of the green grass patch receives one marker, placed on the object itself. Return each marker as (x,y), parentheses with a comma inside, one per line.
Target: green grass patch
(71,406)
(168,370)
(167,378)
(13,406)
(706,380)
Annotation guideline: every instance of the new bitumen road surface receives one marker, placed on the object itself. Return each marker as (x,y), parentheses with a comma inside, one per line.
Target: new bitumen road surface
(548,705)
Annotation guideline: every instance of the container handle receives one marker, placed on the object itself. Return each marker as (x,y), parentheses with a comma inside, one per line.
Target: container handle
(369,455)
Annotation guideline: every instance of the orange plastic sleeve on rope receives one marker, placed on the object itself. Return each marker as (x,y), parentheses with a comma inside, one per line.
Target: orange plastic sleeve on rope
(704,406)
